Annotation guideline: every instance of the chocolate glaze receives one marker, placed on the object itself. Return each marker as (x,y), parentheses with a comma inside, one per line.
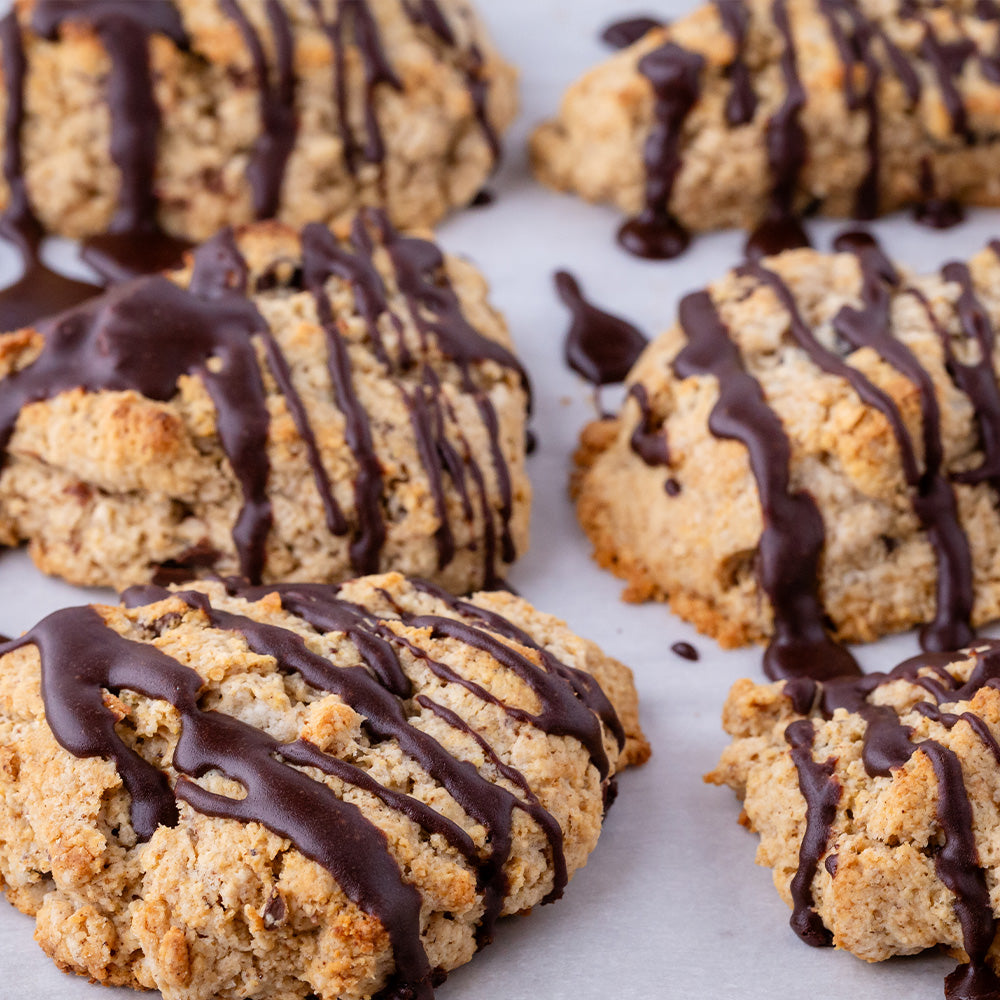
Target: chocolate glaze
(932,210)
(933,497)
(600,347)
(888,746)
(674,74)
(377,71)
(786,155)
(622,34)
(323,827)
(742,101)
(277,104)
(821,790)
(792,540)
(685,651)
(39,291)
(135,243)
(649,439)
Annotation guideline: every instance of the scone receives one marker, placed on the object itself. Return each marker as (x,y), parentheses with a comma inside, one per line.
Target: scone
(875,800)
(289,407)
(750,113)
(138,119)
(290,792)
(812,453)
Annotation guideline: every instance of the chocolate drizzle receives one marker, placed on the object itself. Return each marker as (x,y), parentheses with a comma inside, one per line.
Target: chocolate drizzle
(277,104)
(786,155)
(791,543)
(39,291)
(741,104)
(134,243)
(674,74)
(600,347)
(109,345)
(933,497)
(284,799)
(821,790)
(888,746)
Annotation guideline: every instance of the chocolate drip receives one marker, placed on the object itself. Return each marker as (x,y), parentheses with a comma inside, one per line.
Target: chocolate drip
(470,63)
(323,257)
(947,59)
(792,540)
(135,243)
(278,127)
(649,439)
(39,291)
(600,347)
(933,498)
(786,155)
(685,651)
(932,210)
(377,70)
(821,790)
(742,100)
(674,75)
(888,746)
(622,34)
(978,380)
(853,48)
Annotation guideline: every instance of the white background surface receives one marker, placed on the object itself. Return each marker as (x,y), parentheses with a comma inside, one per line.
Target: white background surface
(671,904)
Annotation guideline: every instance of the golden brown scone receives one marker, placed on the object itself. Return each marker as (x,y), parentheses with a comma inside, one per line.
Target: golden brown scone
(812,447)
(289,407)
(304,110)
(752,112)
(875,800)
(301,790)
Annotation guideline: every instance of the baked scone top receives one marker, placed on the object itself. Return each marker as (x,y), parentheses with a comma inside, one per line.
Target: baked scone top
(875,799)
(370,774)
(288,406)
(812,448)
(750,113)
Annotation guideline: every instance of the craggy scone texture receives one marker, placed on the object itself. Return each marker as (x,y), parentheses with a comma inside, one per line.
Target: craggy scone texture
(875,800)
(675,509)
(401,111)
(288,407)
(468,781)
(881,126)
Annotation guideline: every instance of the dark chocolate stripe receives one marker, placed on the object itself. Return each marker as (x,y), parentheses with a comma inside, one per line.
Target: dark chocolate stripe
(649,439)
(978,380)
(135,243)
(792,540)
(39,291)
(674,74)
(600,347)
(622,34)
(742,100)
(821,790)
(786,154)
(377,70)
(933,498)
(278,127)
